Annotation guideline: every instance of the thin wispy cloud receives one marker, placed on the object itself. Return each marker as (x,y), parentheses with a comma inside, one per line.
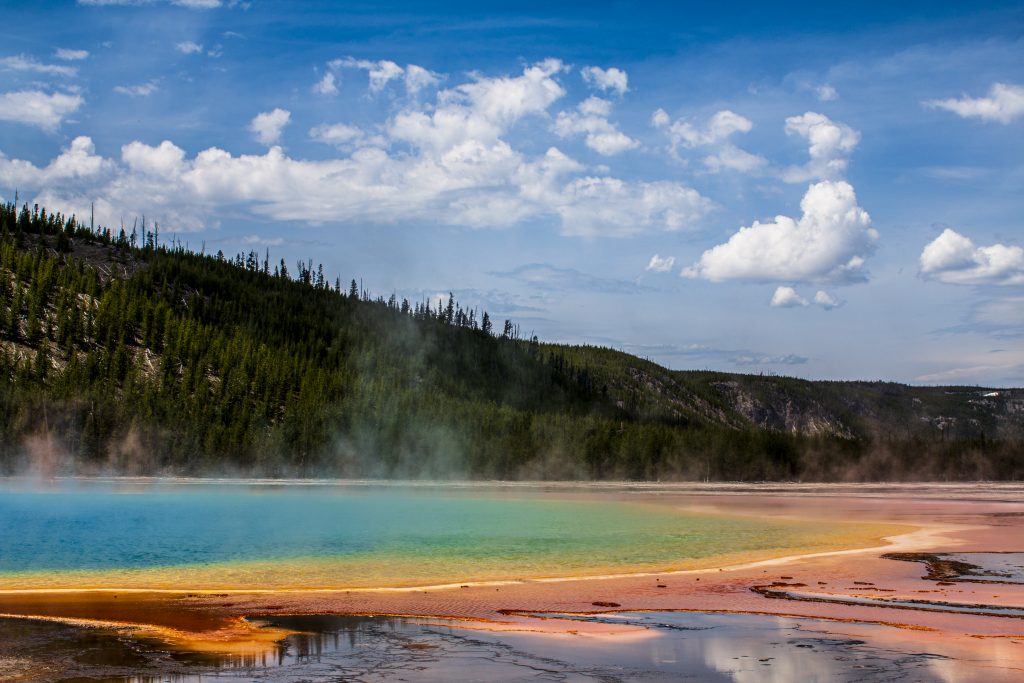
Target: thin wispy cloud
(69,55)
(549,277)
(23,63)
(187,47)
(1004,104)
(139,90)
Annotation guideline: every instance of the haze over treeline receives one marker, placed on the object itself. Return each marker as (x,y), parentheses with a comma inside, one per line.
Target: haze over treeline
(121,354)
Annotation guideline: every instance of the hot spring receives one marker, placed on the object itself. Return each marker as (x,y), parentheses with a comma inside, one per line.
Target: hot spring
(281,537)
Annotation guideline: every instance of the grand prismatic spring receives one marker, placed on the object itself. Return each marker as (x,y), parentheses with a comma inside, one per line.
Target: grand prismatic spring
(140,580)
(217,537)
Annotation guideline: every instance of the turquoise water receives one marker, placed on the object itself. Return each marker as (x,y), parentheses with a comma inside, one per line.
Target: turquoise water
(204,536)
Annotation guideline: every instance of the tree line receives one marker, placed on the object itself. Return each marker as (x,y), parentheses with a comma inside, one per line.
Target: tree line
(120,353)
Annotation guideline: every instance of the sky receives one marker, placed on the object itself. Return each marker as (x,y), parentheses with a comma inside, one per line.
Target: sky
(828,191)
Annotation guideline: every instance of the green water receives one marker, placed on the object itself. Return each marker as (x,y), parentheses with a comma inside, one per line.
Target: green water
(208,537)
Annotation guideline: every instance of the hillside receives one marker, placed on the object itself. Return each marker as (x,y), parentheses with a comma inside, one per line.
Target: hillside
(120,354)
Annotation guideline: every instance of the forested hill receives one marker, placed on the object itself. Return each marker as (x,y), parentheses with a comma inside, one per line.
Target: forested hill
(122,354)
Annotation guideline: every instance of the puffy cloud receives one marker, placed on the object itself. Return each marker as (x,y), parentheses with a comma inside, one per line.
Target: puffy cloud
(1004,104)
(954,259)
(609,206)
(590,120)
(595,106)
(23,63)
(140,90)
(380,72)
(476,114)
(826,93)
(826,300)
(506,100)
(613,79)
(326,85)
(147,180)
(660,264)
(70,55)
(266,127)
(35,108)
(166,160)
(417,78)
(444,162)
(786,297)
(187,47)
(384,71)
(828,243)
(719,127)
(829,145)
(715,132)
(79,161)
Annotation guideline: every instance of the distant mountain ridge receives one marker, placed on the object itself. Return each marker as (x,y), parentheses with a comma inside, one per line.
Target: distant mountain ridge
(119,354)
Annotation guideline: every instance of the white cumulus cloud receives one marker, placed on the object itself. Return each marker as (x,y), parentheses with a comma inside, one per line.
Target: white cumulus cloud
(266,127)
(954,259)
(382,72)
(613,79)
(417,78)
(718,128)
(79,161)
(448,161)
(659,264)
(787,297)
(1004,104)
(829,145)
(326,85)
(591,120)
(166,160)
(828,243)
(36,108)
(826,300)
(714,133)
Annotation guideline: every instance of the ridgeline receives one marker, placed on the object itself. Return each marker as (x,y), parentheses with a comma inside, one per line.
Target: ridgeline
(123,355)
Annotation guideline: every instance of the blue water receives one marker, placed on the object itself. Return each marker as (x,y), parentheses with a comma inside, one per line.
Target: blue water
(395,535)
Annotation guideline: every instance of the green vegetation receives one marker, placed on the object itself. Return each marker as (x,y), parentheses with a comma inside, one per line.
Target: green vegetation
(119,354)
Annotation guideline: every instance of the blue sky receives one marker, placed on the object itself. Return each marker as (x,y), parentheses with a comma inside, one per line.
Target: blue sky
(823,191)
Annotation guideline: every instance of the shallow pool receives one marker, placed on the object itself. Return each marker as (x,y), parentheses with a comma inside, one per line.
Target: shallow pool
(243,537)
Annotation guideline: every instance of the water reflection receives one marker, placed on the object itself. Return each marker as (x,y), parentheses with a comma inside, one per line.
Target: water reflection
(701,646)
